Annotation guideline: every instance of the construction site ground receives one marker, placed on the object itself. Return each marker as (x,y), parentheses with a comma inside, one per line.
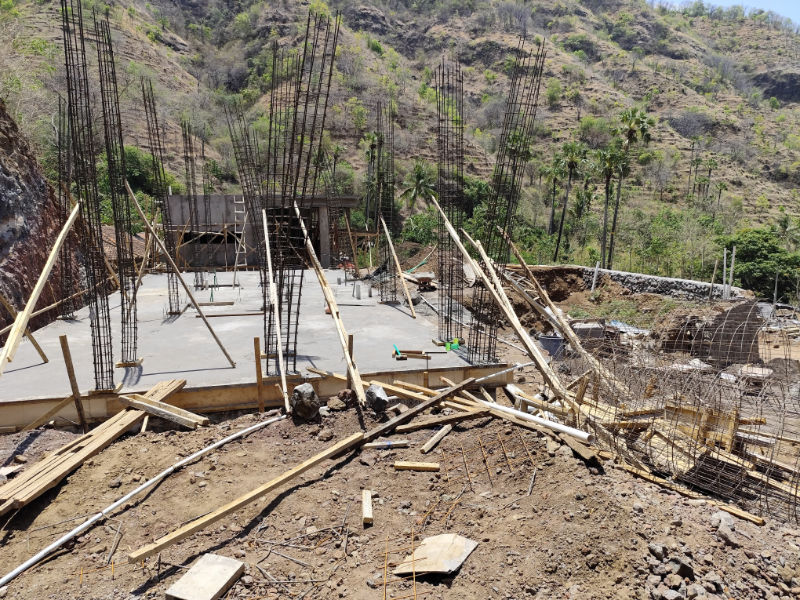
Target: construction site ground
(585,531)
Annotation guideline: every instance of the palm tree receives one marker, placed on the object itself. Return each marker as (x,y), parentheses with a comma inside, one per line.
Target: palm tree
(554,172)
(419,183)
(608,161)
(721,187)
(574,153)
(636,127)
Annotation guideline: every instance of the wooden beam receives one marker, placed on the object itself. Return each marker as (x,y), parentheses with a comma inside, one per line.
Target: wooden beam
(398,267)
(273,298)
(437,437)
(28,333)
(177,273)
(21,322)
(242,501)
(352,241)
(163,410)
(366,507)
(73,382)
(334,310)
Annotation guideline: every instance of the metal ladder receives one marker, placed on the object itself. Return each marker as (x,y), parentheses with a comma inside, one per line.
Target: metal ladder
(239,226)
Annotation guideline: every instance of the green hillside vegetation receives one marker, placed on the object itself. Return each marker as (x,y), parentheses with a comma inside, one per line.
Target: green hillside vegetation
(662,132)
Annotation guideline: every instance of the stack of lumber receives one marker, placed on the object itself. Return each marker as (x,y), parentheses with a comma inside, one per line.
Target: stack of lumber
(53,468)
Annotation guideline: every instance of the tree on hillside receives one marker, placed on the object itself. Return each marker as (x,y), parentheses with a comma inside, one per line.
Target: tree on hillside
(636,126)
(759,258)
(420,182)
(574,153)
(553,173)
(608,160)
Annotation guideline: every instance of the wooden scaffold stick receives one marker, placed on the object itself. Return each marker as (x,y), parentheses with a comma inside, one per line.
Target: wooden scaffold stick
(21,322)
(273,299)
(355,376)
(398,267)
(177,273)
(28,333)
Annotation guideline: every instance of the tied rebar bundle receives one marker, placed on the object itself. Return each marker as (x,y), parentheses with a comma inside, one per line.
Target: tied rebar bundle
(120,208)
(283,169)
(450,190)
(64,149)
(84,177)
(514,151)
(190,176)
(383,188)
(160,186)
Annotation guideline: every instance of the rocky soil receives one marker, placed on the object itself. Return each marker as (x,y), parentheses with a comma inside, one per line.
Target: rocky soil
(585,530)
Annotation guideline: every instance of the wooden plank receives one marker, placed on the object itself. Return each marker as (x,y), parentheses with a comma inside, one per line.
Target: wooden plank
(28,333)
(23,318)
(330,299)
(238,503)
(164,411)
(405,465)
(177,273)
(439,421)
(437,437)
(399,268)
(73,382)
(366,507)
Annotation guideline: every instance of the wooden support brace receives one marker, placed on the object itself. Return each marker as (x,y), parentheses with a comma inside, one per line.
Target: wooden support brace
(177,273)
(330,299)
(28,333)
(73,382)
(399,268)
(23,318)
(273,297)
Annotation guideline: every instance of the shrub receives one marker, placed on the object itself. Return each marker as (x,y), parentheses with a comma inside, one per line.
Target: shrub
(553,92)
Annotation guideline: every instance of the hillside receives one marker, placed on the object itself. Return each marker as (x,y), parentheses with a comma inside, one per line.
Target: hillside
(723,87)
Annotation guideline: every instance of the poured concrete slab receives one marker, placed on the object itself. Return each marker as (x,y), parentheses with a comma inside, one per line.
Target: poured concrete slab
(180,347)
(208,579)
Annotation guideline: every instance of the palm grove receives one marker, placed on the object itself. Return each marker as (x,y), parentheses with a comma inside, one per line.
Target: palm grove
(578,201)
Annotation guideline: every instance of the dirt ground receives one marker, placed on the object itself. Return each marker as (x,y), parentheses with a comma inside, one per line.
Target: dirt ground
(585,531)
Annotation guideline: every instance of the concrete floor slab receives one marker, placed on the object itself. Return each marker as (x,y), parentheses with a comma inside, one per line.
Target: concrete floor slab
(181,347)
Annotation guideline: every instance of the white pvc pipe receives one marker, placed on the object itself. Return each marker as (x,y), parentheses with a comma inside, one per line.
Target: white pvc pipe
(576,433)
(103,513)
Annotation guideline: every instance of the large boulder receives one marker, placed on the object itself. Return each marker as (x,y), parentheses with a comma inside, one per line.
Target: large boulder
(305,402)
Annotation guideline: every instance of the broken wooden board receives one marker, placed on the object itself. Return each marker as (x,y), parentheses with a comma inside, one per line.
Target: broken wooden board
(366,507)
(443,553)
(208,579)
(404,465)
